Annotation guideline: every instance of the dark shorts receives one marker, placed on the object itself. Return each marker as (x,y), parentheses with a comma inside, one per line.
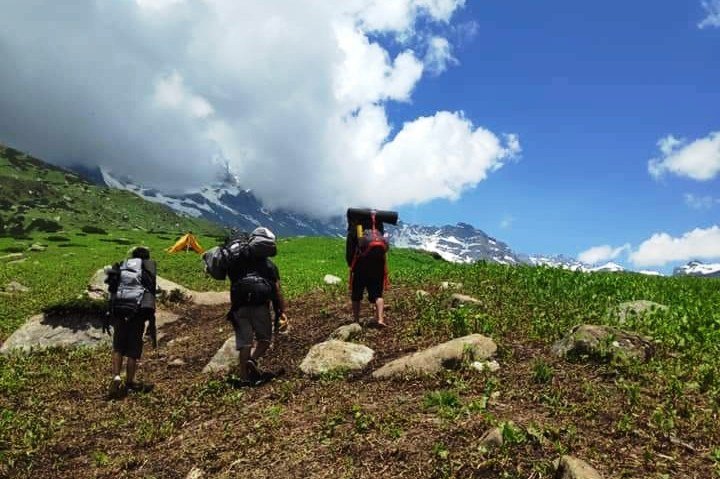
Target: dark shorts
(252,321)
(128,335)
(372,282)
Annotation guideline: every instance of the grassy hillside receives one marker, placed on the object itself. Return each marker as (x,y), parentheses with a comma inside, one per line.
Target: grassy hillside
(36,197)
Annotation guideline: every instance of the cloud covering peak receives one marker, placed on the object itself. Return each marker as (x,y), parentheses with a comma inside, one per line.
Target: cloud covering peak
(291,95)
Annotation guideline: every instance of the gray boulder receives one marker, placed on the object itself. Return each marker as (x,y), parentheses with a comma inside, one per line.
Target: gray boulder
(641,307)
(347,332)
(334,355)
(37,247)
(450,285)
(41,332)
(569,467)
(448,355)
(225,358)
(603,343)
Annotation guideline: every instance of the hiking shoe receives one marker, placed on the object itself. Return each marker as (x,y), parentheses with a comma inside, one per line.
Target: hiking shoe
(115,389)
(239,383)
(252,370)
(139,387)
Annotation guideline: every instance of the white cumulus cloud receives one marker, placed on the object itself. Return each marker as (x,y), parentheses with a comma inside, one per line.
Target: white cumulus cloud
(698,159)
(291,94)
(661,248)
(598,254)
(712,12)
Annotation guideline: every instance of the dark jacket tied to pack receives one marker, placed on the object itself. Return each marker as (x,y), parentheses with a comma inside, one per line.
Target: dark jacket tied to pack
(366,243)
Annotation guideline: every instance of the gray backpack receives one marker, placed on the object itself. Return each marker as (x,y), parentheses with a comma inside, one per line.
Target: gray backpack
(130,290)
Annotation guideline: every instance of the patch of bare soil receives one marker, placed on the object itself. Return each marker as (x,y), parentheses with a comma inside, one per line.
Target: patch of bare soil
(352,426)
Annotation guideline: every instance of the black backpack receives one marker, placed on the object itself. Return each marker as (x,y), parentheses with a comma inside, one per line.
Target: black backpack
(251,290)
(241,248)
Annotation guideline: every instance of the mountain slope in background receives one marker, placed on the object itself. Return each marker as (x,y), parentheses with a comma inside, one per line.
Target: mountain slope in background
(36,196)
(698,268)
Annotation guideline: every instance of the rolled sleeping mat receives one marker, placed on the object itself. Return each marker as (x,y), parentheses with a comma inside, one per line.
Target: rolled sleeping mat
(364,215)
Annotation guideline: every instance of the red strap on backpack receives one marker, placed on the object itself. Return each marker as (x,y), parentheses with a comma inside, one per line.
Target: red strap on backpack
(358,254)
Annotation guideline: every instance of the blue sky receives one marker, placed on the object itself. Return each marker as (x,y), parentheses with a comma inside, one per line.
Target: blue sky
(603,116)
(590,88)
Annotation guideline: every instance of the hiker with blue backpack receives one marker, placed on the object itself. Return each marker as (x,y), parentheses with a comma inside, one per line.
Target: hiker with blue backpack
(254,290)
(366,249)
(132,288)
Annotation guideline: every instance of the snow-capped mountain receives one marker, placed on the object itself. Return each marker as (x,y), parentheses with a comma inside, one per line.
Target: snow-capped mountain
(228,204)
(698,268)
(461,243)
(560,261)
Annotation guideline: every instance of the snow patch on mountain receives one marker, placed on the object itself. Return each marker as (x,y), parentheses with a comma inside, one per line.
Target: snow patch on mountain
(698,268)
(461,243)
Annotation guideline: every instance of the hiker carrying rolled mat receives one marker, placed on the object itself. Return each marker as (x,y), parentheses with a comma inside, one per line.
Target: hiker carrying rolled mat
(132,288)
(366,249)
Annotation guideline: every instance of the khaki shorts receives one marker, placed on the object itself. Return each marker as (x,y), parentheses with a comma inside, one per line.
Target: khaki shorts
(252,321)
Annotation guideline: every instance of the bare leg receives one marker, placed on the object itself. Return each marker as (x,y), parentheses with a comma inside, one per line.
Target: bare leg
(379,311)
(243,356)
(356,310)
(131,368)
(117,360)
(260,348)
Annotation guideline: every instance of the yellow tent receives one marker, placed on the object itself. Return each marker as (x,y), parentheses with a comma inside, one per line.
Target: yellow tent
(186,243)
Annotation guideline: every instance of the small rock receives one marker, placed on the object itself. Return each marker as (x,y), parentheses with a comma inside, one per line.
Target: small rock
(450,285)
(195,473)
(334,355)
(177,362)
(12,257)
(570,467)
(37,247)
(421,293)
(347,332)
(15,287)
(181,339)
(492,438)
(17,261)
(225,357)
(481,366)
(330,279)
(459,299)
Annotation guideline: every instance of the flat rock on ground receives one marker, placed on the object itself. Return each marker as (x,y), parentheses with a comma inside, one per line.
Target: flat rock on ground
(44,332)
(448,355)
(570,467)
(98,289)
(641,307)
(334,355)
(602,343)
(459,299)
(225,357)
(15,287)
